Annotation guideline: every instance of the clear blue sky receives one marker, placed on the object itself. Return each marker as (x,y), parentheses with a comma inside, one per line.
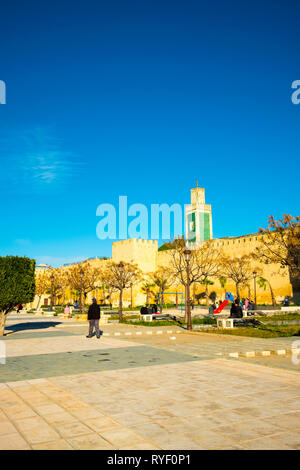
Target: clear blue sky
(142,98)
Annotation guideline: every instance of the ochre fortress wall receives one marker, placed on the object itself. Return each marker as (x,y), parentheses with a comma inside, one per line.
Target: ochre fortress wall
(145,254)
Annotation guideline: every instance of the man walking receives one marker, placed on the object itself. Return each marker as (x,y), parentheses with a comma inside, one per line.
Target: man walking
(93,318)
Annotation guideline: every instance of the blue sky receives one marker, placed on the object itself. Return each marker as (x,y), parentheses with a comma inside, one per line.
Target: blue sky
(109,98)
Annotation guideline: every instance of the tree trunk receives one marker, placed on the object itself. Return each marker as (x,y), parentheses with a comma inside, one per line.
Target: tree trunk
(39,302)
(272,295)
(206,295)
(161,301)
(176,300)
(147,297)
(237,291)
(121,306)
(80,302)
(249,292)
(185,306)
(2,323)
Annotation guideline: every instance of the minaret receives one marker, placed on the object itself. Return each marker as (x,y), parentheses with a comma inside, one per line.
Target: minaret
(198,217)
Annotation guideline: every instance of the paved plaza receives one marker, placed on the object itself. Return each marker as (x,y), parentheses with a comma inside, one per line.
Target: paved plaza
(60,390)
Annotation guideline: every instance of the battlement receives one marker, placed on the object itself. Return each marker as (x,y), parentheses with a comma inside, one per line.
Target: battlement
(135,241)
(136,250)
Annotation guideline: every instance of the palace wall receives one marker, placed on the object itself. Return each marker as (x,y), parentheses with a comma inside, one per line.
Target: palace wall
(145,254)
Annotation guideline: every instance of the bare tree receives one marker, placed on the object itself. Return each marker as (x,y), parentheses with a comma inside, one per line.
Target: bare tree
(56,283)
(107,285)
(280,243)
(121,276)
(237,269)
(83,278)
(203,263)
(41,285)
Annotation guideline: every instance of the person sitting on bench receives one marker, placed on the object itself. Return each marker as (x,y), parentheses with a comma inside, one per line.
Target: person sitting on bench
(236,310)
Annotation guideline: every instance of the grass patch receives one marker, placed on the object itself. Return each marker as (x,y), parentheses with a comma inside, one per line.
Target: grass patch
(114,316)
(289,316)
(204,321)
(151,323)
(258,332)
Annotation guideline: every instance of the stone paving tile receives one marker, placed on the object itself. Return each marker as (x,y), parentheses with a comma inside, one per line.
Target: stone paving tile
(60,444)
(6,427)
(72,429)
(86,413)
(290,439)
(142,446)
(103,424)
(265,443)
(90,442)
(288,421)
(13,442)
(122,437)
(51,408)
(20,412)
(36,430)
(245,431)
(60,419)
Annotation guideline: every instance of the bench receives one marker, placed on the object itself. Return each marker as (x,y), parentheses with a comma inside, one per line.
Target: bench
(157,316)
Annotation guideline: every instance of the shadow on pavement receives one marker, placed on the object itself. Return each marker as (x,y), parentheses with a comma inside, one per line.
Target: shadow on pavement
(30,326)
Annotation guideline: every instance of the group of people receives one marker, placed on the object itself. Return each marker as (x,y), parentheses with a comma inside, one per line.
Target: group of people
(238,307)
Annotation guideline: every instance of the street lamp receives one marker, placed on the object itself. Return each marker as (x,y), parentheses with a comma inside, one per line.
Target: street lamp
(121,285)
(81,274)
(254,279)
(52,288)
(187,254)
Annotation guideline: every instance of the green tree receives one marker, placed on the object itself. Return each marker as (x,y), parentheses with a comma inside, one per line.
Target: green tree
(206,283)
(17,284)
(262,282)
(223,282)
(162,278)
(146,289)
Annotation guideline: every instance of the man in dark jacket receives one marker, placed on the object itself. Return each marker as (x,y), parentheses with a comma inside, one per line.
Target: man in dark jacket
(93,318)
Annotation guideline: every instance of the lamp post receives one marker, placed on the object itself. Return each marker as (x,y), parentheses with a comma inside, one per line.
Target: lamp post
(187,254)
(52,289)
(131,295)
(81,274)
(254,279)
(121,269)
